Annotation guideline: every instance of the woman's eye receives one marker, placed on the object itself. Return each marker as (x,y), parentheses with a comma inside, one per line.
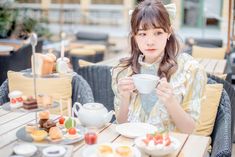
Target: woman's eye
(141,34)
(158,33)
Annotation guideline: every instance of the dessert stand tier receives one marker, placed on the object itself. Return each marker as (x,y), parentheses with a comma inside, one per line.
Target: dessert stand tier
(8,107)
(25,136)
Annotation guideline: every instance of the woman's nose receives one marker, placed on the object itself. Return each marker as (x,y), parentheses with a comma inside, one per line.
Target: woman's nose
(150,41)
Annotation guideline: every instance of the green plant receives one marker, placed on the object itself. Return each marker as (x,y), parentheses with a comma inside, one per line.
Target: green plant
(29,24)
(7,20)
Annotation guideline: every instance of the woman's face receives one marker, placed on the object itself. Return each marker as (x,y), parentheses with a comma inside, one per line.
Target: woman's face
(151,43)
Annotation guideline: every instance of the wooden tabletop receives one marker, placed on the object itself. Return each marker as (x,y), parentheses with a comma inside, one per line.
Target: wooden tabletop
(10,122)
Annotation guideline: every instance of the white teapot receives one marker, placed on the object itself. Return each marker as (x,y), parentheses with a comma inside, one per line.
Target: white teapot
(92,114)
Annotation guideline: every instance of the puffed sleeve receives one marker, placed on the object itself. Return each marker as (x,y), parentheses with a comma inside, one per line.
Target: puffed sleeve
(114,72)
(118,72)
(196,80)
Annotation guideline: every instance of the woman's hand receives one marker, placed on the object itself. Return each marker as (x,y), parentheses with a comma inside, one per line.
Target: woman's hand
(165,91)
(125,87)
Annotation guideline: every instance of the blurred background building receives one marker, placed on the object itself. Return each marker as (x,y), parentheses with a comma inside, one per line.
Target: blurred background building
(198,18)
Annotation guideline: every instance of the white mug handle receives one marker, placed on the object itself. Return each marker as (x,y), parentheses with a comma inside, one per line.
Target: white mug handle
(74,110)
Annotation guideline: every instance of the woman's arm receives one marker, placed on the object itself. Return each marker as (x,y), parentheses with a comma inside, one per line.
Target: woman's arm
(183,121)
(125,88)
(185,114)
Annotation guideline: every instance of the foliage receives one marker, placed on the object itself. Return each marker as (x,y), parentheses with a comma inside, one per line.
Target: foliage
(7,19)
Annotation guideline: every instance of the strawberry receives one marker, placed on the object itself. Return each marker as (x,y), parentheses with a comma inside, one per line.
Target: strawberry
(167,140)
(61,120)
(149,137)
(158,137)
(146,141)
(72,131)
(19,99)
(157,141)
(13,101)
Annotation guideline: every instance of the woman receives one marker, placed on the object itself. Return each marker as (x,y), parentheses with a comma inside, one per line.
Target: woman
(175,104)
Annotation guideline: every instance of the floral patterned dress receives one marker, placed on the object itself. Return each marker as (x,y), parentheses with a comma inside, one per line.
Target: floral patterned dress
(188,83)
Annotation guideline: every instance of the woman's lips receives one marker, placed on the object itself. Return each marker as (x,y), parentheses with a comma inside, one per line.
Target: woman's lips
(150,50)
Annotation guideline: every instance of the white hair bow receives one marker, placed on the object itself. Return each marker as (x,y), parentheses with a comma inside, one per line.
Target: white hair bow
(171,9)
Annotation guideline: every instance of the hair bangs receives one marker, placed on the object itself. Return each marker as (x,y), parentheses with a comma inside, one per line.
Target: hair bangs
(150,18)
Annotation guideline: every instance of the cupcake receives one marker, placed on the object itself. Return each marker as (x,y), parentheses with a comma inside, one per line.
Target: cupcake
(123,151)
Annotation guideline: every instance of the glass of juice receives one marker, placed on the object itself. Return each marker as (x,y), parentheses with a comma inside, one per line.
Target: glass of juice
(90,137)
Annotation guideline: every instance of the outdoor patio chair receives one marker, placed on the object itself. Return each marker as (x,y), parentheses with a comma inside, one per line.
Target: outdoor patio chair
(99,78)
(204,42)
(81,91)
(208,52)
(222,131)
(92,37)
(231,93)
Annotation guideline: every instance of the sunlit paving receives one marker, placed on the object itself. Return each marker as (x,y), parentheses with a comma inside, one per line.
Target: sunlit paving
(117,78)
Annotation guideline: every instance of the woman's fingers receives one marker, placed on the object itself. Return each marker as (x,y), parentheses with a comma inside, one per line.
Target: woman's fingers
(126,84)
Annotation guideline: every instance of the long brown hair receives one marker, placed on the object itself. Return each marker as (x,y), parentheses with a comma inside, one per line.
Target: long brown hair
(152,14)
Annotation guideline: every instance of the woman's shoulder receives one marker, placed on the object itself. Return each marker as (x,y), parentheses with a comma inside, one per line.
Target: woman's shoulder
(121,69)
(186,61)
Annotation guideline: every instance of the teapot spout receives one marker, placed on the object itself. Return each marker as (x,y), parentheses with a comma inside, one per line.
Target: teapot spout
(108,116)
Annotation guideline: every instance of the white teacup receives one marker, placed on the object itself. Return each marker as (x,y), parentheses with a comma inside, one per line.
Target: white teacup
(145,83)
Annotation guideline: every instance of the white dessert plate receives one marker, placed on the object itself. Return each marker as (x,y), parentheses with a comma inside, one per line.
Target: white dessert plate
(25,149)
(133,130)
(54,151)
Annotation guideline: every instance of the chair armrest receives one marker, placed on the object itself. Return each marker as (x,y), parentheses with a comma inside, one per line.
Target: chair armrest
(221,135)
(81,90)
(4,92)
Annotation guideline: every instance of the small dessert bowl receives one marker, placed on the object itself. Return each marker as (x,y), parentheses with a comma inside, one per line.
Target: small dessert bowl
(39,135)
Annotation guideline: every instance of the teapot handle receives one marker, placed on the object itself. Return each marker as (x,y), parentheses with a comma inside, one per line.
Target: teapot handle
(74,109)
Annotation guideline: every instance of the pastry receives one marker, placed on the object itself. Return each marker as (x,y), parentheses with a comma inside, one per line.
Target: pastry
(44,115)
(104,150)
(30,128)
(55,133)
(43,64)
(48,124)
(44,100)
(30,103)
(41,122)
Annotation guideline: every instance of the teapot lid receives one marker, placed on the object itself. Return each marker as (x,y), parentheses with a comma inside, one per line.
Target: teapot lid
(93,106)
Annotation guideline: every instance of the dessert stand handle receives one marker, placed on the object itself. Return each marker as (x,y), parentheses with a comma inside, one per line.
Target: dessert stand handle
(33,42)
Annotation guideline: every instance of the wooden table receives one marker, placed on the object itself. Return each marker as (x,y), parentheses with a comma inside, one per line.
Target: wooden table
(5,50)
(213,66)
(10,122)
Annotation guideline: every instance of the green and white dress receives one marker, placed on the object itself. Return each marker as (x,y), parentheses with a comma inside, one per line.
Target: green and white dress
(188,83)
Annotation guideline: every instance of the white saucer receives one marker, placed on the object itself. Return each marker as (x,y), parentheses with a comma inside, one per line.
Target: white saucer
(25,149)
(133,130)
(54,151)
